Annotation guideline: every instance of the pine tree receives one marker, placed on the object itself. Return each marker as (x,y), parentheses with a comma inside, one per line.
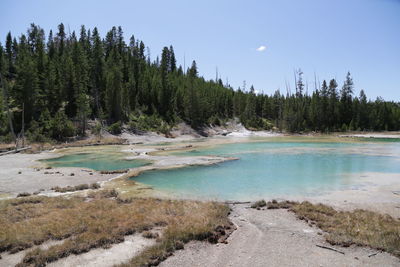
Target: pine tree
(61,39)
(192,103)
(26,87)
(166,91)
(81,69)
(97,73)
(172,59)
(113,94)
(363,111)
(346,100)
(249,116)
(10,55)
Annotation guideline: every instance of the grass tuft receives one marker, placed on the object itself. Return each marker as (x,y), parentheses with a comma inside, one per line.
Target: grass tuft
(259,204)
(149,234)
(24,194)
(76,188)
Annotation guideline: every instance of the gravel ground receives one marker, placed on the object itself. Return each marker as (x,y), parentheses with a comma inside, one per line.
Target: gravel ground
(274,238)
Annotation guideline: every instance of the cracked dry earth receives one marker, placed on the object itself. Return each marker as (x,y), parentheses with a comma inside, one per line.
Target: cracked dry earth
(274,238)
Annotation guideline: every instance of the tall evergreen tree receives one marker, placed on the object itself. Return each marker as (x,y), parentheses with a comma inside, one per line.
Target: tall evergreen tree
(346,97)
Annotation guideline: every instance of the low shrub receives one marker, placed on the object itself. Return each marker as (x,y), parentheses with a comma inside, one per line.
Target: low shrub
(149,234)
(145,123)
(115,128)
(24,194)
(61,127)
(259,204)
(75,188)
(96,130)
(214,120)
(95,186)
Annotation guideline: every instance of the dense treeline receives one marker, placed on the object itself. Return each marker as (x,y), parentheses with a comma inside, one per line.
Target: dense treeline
(53,85)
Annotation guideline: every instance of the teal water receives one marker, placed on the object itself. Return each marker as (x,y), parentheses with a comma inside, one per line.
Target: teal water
(273,169)
(96,161)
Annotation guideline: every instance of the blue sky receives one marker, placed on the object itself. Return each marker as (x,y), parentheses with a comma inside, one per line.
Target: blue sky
(324,37)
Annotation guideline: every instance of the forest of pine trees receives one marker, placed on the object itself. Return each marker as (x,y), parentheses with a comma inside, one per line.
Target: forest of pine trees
(52,85)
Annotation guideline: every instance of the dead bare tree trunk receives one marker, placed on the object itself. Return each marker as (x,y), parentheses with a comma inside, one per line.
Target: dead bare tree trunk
(23,125)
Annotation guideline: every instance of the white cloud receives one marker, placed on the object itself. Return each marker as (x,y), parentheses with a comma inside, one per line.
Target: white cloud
(261,48)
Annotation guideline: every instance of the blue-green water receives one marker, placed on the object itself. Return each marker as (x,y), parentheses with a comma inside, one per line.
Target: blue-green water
(96,161)
(273,169)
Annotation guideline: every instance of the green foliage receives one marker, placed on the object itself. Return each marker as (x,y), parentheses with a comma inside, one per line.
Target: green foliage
(61,127)
(90,77)
(3,118)
(58,128)
(115,128)
(151,123)
(36,133)
(215,121)
(7,138)
(96,130)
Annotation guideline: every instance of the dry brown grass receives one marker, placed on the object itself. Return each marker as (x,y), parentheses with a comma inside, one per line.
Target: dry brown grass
(24,194)
(92,141)
(7,146)
(76,188)
(345,228)
(99,222)
(177,234)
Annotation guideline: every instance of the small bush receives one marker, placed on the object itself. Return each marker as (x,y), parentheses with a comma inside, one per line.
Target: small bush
(109,193)
(73,188)
(149,234)
(280,205)
(8,138)
(94,186)
(96,130)
(259,204)
(344,128)
(145,123)
(61,127)
(214,120)
(114,171)
(35,133)
(82,187)
(106,193)
(24,194)
(115,128)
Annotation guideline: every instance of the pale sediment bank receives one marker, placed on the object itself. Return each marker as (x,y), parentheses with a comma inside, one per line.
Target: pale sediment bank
(98,257)
(119,253)
(26,173)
